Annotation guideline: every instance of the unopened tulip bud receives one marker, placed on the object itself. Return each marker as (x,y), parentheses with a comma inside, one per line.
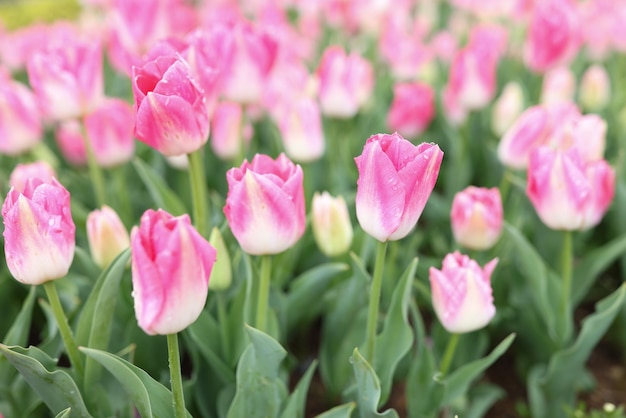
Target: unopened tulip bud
(477,217)
(301,131)
(559,86)
(507,108)
(107,236)
(461,293)
(331,224)
(39,233)
(595,88)
(222,274)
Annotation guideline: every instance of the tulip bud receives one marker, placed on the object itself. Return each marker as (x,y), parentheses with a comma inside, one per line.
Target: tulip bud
(222,274)
(477,217)
(395,181)
(595,88)
(226,131)
(171,264)
(412,109)
(39,233)
(331,224)
(265,204)
(559,86)
(301,131)
(22,172)
(20,124)
(507,108)
(461,293)
(107,236)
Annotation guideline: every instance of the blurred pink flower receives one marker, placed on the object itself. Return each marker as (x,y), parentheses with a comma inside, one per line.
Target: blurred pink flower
(20,120)
(461,293)
(22,172)
(559,86)
(301,130)
(476,217)
(595,88)
(265,204)
(554,34)
(412,109)
(346,82)
(171,265)
(395,181)
(39,233)
(67,78)
(567,193)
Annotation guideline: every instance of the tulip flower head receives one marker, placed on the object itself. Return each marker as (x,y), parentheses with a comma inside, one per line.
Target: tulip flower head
(39,233)
(107,235)
(20,120)
(567,192)
(395,181)
(331,224)
(171,264)
(477,217)
(22,172)
(461,293)
(265,204)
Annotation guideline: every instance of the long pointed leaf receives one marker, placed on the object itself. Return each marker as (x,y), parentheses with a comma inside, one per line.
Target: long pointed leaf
(297,401)
(160,192)
(341,411)
(368,388)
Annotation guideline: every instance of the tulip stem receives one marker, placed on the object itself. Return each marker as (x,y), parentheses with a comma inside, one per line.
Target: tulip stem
(176,379)
(264,293)
(448,355)
(372,315)
(95,171)
(201,213)
(566,271)
(64,328)
(222,318)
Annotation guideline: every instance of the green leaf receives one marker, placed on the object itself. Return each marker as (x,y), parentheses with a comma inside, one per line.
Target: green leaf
(341,411)
(595,262)
(66,413)
(368,388)
(260,393)
(544,287)
(309,286)
(552,387)
(160,192)
(151,398)
(205,325)
(396,338)
(96,318)
(343,328)
(56,388)
(483,398)
(297,401)
(457,383)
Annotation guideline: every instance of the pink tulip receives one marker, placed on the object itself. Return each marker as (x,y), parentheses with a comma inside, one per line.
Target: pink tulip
(172,116)
(567,193)
(476,217)
(395,181)
(67,78)
(473,77)
(22,172)
(586,133)
(532,129)
(20,123)
(107,235)
(461,293)
(331,224)
(265,204)
(110,130)
(228,136)
(69,138)
(346,83)
(412,109)
(554,34)
(39,233)
(301,130)
(171,264)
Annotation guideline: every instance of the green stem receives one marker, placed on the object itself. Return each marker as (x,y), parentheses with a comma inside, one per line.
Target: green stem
(64,328)
(201,215)
(264,293)
(566,271)
(176,379)
(372,314)
(95,171)
(505,186)
(222,318)
(121,189)
(448,355)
